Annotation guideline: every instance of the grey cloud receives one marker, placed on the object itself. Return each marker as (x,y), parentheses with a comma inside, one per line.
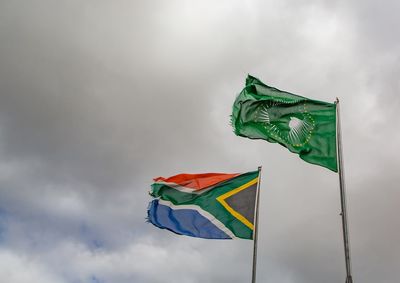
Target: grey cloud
(97,98)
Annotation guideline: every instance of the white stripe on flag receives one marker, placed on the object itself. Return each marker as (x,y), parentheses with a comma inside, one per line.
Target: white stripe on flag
(204,213)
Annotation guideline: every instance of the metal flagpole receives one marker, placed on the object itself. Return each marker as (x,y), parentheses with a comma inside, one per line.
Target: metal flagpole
(349,278)
(255,231)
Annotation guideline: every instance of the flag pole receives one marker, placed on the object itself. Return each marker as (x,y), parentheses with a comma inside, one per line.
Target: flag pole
(349,278)
(255,231)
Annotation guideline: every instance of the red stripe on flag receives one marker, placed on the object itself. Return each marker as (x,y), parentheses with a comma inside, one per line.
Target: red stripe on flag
(197,181)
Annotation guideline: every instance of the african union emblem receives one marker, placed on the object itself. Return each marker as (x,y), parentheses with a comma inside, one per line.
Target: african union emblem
(304,126)
(287,125)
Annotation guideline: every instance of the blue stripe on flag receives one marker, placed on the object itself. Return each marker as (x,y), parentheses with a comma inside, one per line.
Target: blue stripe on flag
(183,221)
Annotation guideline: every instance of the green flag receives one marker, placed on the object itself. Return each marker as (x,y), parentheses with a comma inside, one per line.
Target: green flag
(304,126)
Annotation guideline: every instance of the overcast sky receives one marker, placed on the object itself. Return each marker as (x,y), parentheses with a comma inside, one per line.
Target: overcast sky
(98,97)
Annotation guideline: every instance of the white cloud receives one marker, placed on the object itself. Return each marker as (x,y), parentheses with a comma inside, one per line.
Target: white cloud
(17,268)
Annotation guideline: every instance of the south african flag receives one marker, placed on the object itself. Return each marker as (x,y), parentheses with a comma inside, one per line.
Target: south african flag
(209,205)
